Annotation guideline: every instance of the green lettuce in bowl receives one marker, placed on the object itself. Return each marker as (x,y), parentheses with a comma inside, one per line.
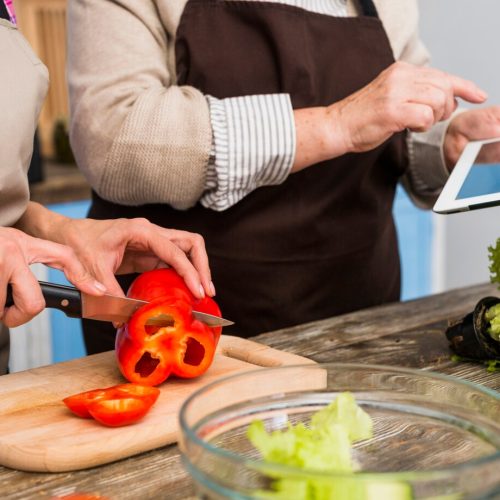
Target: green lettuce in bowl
(324,445)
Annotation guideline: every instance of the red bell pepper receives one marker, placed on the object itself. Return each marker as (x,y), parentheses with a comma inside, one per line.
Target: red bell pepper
(149,354)
(118,412)
(100,403)
(79,403)
(144,392)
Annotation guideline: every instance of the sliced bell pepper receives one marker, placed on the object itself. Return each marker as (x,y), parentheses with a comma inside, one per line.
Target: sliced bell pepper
(121,411)
(81,404)
(144,392)
(166,283)
(185,347)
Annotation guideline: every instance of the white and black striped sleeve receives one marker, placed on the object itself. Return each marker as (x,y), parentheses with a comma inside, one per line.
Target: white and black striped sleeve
(253,145)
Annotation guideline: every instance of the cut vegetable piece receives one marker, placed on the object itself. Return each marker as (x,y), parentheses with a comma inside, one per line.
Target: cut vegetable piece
(81,404)
(185,347)
(118,412)
(322,446)
(145,392)
(78,403)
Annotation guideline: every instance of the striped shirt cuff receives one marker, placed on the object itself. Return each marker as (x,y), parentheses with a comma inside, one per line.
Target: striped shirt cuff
(427,172)
(253,146)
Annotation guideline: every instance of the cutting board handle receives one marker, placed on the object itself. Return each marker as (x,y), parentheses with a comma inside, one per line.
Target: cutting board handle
(257,354)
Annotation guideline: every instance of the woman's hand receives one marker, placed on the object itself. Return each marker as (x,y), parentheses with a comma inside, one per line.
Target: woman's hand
(472,125)
(17,252)
(122,246)
(402,97)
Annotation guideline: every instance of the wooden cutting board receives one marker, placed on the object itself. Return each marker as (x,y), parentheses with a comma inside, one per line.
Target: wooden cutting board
(38,433)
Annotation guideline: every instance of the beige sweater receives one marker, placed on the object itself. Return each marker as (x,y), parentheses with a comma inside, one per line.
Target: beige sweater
(138,137)
(23,85)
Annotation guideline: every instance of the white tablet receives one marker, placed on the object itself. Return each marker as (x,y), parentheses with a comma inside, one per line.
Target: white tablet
(475,180)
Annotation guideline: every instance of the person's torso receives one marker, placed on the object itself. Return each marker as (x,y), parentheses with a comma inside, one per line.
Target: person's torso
(332,221)
(400,19)
(23,87)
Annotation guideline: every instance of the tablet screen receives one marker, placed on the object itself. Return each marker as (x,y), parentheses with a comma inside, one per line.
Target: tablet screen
(483,178)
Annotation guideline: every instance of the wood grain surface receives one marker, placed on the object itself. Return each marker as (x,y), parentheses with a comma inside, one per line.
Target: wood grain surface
(407,334)
(38,432)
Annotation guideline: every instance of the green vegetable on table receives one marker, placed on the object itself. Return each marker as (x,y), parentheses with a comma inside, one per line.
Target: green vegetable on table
(493,313)
(324,445)
(493,316)
(492,365)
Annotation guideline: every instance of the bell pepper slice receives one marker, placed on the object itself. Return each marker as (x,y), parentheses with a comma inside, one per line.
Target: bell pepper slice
(80,403)
(121,411)
(144,392)
(185,347)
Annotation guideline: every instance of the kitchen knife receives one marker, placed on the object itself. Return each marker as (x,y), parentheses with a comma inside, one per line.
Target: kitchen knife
(76,304)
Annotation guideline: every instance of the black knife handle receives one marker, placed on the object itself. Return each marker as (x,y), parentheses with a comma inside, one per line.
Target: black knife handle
(65,298)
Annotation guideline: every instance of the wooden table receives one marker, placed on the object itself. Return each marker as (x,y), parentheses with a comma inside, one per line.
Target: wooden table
(407,334)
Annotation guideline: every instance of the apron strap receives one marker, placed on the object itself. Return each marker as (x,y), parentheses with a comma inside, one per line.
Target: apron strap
(368,8)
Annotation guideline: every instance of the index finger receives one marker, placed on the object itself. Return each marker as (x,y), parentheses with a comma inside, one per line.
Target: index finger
(467,90)
(64,258)
(193,245)
(27,297)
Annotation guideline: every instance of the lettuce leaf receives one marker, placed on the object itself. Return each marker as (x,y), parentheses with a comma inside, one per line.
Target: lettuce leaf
(493,316)
(324,445)
(344,411)
(494,258)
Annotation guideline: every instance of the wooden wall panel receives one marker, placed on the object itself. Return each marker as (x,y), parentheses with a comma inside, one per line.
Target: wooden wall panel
(43,23)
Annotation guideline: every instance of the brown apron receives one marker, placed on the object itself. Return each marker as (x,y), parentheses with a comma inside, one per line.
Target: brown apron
(323,242)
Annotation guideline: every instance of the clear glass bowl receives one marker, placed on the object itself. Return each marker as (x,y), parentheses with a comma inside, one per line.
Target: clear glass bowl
(434,436)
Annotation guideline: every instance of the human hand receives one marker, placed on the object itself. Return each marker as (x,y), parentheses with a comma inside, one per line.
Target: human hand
(17,252)
(121,246)
(401,97)
(473,125)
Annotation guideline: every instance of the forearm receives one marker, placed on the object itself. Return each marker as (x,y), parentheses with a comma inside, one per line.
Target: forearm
(319,136)
(40,222)
(138,137)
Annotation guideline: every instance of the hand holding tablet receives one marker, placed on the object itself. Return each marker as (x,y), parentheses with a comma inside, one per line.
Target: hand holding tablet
(475,181)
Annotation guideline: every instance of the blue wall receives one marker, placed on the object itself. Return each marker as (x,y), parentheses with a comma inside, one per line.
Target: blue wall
(67,339)
(415,239)
(415,233)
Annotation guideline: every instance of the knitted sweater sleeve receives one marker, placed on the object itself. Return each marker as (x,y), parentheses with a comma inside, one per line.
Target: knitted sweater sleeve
(137,136)
(23,85)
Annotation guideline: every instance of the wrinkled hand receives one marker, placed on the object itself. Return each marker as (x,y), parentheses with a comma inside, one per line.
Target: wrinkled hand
(401,97)
(472,125)
(121,246)
(17,252)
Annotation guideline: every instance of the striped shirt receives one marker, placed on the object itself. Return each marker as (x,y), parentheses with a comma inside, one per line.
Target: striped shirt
(253,137)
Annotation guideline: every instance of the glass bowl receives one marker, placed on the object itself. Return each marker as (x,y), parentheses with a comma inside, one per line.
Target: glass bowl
(434,436)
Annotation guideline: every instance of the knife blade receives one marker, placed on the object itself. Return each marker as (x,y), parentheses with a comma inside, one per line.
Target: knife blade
(76,304)
(208,319)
